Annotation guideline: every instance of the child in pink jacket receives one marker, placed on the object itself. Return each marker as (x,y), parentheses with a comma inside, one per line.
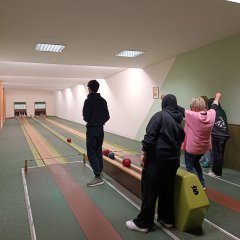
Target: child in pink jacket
(198,127)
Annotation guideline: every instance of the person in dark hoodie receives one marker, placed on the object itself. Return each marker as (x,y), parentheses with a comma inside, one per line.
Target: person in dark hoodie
(160,160)
(220,135)
(96,114)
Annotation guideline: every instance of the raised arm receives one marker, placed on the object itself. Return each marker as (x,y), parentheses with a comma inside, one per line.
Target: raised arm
(217,97)
(216,101)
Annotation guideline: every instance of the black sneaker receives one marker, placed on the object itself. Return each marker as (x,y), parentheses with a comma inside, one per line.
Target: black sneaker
(95,182)
(166,225)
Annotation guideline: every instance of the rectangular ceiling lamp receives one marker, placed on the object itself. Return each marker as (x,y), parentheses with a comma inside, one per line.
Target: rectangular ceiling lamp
(45,47)
(129,53)
(236,1)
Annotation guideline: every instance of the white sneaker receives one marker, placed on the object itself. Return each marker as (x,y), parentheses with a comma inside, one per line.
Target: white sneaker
(212,174)
(132,226)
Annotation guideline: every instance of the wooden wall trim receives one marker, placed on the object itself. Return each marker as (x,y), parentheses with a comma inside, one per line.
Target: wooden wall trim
(2,105)
(232,151)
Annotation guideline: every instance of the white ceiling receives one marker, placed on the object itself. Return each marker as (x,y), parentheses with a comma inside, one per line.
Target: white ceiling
(94,30)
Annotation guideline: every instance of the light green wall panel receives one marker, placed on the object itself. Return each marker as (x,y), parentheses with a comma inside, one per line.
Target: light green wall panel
(207,70)
(204,71)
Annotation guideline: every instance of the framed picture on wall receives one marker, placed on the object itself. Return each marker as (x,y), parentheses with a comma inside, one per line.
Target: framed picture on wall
(155,92)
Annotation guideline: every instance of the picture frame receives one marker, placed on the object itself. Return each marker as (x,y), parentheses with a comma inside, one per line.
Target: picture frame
(155,92)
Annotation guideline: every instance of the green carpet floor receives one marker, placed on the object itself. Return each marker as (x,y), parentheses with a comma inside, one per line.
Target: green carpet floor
(14,224)
(13,151)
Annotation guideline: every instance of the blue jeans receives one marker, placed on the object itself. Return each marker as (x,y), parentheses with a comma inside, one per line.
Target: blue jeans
(193,166)
(206,159)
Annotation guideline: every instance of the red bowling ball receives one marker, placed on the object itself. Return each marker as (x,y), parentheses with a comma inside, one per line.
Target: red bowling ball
(69,140)
(105,152)
(126,162)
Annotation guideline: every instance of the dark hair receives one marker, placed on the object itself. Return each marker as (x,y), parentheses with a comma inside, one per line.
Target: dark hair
(205,98)
(93,85)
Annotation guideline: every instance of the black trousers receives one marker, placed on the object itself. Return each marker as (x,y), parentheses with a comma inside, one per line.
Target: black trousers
(217,153)
(94,141)
(158,181)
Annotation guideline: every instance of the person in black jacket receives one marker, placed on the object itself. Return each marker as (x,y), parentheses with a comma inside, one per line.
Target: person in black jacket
(220,135)
(96,114)
(160,160)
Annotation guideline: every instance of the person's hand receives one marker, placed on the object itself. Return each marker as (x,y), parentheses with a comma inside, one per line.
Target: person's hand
(218,96)
(142,160)
(162,96)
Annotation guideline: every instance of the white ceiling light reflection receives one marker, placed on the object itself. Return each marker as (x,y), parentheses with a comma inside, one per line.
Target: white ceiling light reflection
(135,76)
(68,96)
(79,93)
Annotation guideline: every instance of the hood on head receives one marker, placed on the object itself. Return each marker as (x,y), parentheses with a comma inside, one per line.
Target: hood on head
(169,104)
(169,101)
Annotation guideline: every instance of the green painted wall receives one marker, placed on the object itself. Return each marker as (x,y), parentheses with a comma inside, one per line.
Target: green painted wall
(204,71)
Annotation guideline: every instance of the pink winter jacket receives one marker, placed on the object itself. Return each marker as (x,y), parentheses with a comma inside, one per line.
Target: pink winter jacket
(198,128)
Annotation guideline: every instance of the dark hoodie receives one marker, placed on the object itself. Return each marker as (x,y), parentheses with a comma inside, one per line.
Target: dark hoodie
(164,133)
(95,110)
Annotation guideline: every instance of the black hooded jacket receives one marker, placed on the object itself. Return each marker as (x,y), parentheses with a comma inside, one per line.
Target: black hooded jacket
(164,133)
(95,110)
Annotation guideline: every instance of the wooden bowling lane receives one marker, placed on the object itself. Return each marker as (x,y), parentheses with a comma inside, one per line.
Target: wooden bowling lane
(46,152)
(117,149)
(75,146)
(34,150)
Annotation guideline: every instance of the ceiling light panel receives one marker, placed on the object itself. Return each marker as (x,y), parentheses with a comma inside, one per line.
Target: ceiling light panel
(129,53)
(45,47)
(236,1)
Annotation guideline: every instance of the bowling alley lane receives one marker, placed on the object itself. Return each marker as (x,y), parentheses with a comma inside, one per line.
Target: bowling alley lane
(56,192)
(51,206)
(128,143)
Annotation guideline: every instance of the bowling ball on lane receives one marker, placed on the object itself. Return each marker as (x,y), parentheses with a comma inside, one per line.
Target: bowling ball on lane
(111,155)
(105,152)
(126,162)
(69,140)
